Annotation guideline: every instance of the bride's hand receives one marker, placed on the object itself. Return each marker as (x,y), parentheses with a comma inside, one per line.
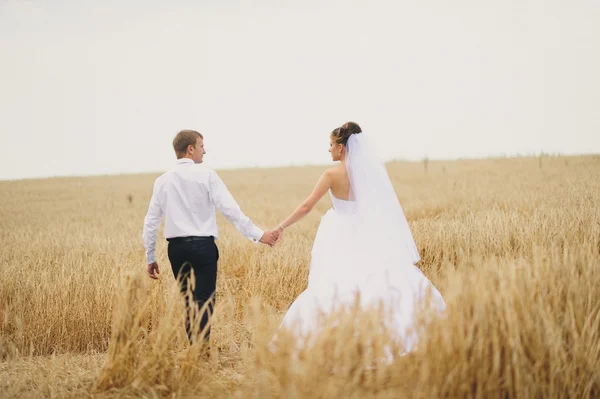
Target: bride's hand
(279,232)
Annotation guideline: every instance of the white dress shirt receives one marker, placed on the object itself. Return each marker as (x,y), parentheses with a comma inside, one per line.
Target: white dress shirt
(187,196)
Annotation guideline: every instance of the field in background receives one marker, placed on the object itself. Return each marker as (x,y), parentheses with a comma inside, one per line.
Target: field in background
(512,244)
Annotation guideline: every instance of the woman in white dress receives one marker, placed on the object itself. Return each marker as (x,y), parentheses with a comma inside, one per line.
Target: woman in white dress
(363,245)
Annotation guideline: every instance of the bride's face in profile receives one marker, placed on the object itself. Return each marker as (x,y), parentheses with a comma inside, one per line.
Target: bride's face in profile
(335,150)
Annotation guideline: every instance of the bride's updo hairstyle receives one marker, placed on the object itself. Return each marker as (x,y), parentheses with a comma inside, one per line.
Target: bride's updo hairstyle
(343,133)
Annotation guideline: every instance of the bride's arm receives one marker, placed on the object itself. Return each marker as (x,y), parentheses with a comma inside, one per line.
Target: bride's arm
(307,205)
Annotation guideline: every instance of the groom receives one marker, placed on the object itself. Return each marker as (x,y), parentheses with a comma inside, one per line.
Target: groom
(187,196)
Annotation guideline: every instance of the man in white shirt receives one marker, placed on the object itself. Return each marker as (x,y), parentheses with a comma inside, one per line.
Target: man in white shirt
(187,196)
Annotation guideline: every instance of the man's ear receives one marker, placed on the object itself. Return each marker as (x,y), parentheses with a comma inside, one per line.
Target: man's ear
(190,150)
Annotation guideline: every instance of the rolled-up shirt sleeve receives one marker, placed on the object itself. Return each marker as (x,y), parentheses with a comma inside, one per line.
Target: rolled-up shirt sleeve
(226,204)
(151,224)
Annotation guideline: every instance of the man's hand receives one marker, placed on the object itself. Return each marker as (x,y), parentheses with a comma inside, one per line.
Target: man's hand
(153,270)
(270,238)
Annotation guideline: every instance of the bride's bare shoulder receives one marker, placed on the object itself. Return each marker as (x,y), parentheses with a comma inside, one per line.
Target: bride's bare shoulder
(339,169)
(336,171)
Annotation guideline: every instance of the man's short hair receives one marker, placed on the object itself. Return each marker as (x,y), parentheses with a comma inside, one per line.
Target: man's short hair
(183,139)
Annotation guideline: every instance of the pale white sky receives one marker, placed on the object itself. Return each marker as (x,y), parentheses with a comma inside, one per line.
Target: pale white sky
(101,87)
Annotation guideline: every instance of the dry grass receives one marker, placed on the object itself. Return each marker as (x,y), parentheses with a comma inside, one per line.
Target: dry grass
(513,247)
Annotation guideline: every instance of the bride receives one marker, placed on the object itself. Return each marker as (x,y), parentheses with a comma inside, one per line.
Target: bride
(363,245)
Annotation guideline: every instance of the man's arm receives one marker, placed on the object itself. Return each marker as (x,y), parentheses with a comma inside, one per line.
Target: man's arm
(227,205)
(151,224)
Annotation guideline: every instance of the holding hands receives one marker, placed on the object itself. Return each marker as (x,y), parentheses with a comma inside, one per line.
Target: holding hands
(271,237)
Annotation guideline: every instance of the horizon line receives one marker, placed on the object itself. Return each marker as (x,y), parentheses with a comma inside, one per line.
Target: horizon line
(287,166)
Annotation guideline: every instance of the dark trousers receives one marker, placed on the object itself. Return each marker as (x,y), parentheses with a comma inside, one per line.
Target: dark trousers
(199,254)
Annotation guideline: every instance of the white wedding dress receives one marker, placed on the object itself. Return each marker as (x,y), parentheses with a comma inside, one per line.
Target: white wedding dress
(364,246)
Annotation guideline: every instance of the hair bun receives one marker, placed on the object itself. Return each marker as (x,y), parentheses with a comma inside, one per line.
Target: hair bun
(343,133)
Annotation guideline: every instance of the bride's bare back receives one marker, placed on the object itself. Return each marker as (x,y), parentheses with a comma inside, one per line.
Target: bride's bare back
(340,183)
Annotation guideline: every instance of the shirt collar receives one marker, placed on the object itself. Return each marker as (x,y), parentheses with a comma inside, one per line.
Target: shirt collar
(183,161)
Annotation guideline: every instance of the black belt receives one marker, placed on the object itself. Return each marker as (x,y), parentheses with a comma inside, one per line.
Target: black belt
(191,238)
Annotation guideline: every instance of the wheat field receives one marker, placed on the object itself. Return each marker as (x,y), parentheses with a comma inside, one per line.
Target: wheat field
(512,244)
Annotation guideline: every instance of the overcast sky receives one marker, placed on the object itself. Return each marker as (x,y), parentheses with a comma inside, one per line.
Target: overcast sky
(101,87)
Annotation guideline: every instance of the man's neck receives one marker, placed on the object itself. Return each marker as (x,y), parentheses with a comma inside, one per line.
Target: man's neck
(185,160)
